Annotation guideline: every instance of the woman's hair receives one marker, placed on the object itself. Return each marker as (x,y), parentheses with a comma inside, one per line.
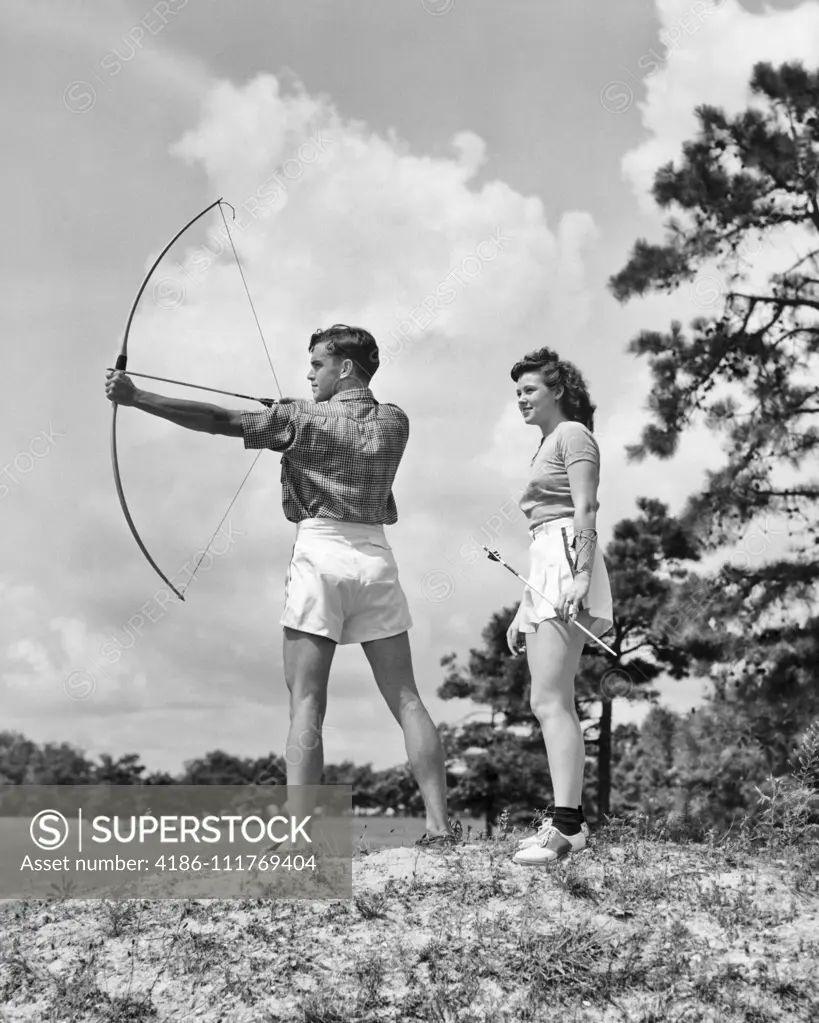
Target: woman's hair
(353,343)
(555,372)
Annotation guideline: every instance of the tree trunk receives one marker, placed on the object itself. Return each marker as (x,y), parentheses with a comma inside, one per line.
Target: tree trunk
(604,761)
(490,811)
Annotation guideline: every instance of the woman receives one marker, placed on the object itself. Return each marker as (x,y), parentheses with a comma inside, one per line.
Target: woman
(567,567)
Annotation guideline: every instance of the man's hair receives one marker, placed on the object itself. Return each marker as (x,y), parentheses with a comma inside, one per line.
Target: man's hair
(555,372)
(353,343)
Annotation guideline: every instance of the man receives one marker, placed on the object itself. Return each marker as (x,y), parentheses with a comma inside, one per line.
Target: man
(340,454)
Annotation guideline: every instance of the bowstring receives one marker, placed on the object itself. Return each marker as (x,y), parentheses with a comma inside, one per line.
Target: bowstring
(247,291)
(275,378)
(221,522)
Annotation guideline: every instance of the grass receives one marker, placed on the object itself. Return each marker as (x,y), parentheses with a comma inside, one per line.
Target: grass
(642,928)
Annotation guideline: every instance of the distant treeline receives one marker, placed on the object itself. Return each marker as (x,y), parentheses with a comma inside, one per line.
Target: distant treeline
(705,765)
(23,762)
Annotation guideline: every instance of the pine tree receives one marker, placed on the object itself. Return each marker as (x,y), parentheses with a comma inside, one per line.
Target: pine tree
(743,369)
(748,371)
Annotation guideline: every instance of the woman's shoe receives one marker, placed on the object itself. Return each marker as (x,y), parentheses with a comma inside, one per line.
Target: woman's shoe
(526,843)
(552,846)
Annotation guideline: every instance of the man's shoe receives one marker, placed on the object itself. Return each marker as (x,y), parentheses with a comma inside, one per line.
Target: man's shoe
(526,843)
(436,842)
(552,846)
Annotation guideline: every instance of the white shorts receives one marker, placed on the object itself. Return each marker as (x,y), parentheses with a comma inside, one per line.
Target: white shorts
(550,571)
(342,583)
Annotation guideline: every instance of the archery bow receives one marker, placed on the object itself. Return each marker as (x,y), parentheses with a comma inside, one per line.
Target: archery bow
(494,556)
(121,365)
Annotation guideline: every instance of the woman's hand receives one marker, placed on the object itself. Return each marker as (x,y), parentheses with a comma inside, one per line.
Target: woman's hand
(568,604)
(513,640)
(120,388)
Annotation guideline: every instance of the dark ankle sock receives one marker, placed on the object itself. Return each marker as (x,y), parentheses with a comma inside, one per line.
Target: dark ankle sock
(567,820)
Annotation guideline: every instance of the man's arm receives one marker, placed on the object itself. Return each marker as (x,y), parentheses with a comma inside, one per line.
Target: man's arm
(193,415)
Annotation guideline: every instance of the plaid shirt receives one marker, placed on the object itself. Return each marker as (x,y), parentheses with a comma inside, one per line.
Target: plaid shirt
(339,457)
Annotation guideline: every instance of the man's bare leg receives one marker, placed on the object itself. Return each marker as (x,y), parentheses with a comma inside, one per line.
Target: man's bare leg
(307,661)
(307,668)
(391,662)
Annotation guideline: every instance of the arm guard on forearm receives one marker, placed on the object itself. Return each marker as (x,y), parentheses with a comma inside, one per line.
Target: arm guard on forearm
(584,545)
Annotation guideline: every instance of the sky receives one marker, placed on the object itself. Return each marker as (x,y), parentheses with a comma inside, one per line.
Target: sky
(461,177)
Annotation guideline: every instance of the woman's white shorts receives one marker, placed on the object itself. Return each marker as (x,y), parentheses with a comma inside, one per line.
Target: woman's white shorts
(550,572)
(342,583)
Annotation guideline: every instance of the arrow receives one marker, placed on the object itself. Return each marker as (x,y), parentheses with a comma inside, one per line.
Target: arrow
(200,387)
(494,556)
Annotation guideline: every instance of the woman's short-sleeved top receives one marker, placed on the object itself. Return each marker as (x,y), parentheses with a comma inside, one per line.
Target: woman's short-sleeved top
(547,495)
